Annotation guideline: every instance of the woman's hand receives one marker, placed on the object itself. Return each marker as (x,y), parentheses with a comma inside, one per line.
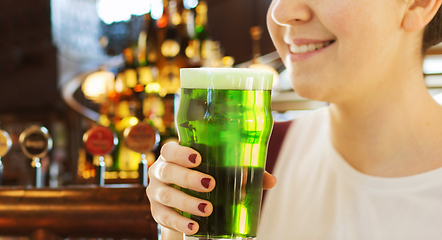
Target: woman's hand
(172,167)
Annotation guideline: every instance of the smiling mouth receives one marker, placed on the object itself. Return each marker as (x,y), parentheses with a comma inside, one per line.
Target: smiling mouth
(308,47)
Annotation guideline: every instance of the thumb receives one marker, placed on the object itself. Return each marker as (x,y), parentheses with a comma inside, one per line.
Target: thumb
(269,181)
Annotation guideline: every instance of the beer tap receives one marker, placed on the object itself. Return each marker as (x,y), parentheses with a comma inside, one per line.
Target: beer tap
(35,143)
(142,138)
(5,145)
(100,141)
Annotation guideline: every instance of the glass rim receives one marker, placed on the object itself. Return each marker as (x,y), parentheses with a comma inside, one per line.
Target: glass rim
(226,78)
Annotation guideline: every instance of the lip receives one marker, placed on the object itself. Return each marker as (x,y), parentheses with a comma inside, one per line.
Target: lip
(295,57)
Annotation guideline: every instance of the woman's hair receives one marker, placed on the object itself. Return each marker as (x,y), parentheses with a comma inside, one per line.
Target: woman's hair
(433,32)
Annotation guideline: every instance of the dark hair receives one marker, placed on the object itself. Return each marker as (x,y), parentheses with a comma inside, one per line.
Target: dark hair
(433,32)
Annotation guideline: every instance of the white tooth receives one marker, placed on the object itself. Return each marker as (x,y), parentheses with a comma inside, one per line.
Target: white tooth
(311,47)
(297,49)
(292,48)
(319,45)
(303,49)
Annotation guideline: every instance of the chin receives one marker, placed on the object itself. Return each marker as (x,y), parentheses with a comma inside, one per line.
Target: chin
(310,90)
(310,94)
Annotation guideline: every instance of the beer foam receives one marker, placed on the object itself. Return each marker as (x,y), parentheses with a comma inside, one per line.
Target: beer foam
(226,78)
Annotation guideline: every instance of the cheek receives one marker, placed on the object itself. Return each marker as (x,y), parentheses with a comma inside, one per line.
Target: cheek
(277,34)
(358,31)
(343,17)
(362,21)
(271,26)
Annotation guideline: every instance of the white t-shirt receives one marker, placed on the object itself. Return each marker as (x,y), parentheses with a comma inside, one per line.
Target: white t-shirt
(320,196)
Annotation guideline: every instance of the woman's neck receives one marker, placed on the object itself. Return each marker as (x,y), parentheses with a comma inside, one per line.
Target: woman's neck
(397,132)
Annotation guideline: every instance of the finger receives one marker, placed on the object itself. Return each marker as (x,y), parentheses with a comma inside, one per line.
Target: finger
(168,233)
(172,197)
(184,156)
(171,173)
(169,218)
(269,181)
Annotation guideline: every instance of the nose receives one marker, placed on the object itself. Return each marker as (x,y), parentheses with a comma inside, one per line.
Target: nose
(290,12)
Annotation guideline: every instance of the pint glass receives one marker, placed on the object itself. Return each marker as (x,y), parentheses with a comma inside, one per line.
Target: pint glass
(225,115)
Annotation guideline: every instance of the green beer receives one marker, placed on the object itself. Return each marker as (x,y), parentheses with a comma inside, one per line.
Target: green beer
(225,115)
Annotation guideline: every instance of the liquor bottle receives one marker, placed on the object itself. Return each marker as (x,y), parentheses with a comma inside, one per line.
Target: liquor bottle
(169,75)
(201,25)
(153,108)
(131,100)
(148,73)
(142,43)
(204,42)
(187,46)
(151,42)
(148,55)
(255,33)
(128,159)
(143,74)
(112,160)
(214,55)
(118,108)
(171,44)
(161,115)
(147,43)
(130,72)
(170,48)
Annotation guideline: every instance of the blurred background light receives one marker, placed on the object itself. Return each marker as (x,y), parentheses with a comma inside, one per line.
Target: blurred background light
(189,4)
(96,85)
(110,11)
(157,9)
(140,7)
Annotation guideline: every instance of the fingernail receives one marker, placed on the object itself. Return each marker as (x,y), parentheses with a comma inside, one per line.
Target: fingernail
(205,182)
(202,207)
(190,226)
(192,158)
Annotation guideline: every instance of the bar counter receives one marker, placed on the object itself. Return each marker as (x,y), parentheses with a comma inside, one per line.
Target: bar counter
(117,211)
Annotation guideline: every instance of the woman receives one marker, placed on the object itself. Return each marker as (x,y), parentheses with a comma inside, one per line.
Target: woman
(369,166)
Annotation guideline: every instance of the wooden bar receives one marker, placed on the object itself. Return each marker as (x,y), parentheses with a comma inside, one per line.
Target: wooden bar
(83,211)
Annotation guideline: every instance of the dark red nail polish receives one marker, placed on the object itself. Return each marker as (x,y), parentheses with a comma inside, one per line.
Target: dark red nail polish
(205,182)
(190,226)
(192,158)
(202,207)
